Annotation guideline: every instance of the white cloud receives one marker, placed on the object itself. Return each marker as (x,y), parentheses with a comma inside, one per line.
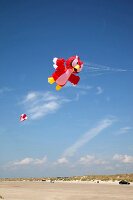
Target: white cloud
(87,160)
(99,90)
(43,109)
(123,158)
(40,104)
(70,151)
(25,161)
(40,161)
(90,160)
(28,161)
(31,96)
(62,161)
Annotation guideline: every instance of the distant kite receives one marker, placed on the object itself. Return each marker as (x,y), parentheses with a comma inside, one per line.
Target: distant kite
(23,117)
(65,71)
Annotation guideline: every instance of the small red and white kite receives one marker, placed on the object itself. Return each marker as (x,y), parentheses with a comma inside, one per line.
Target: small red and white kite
(23,117)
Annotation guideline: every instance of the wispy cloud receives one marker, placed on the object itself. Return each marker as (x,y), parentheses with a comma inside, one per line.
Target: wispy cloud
(123,158)
(83,87)
(80,90)
(124,130)
(40,104)
(89,135)
(5,89)
(28,161)
(99,90)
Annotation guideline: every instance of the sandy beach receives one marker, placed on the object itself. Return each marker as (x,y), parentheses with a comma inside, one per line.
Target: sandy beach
(14,190)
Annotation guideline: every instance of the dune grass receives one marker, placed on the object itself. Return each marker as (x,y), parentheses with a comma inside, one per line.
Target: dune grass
(116,177)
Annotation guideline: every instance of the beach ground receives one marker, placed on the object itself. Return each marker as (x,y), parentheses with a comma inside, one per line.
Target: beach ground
(64,191)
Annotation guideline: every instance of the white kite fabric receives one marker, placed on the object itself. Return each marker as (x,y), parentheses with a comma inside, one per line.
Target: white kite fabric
(23,117)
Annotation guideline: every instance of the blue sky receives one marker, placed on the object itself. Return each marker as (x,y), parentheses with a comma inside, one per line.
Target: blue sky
(80,130)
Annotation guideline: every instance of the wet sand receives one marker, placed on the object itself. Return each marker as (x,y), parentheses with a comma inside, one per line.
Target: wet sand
(64,191)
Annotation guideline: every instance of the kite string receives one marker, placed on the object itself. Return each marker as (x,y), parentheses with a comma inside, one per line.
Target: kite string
(100,68)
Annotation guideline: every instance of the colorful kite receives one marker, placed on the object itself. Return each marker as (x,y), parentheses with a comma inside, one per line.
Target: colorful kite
(66,70)
(23,117)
